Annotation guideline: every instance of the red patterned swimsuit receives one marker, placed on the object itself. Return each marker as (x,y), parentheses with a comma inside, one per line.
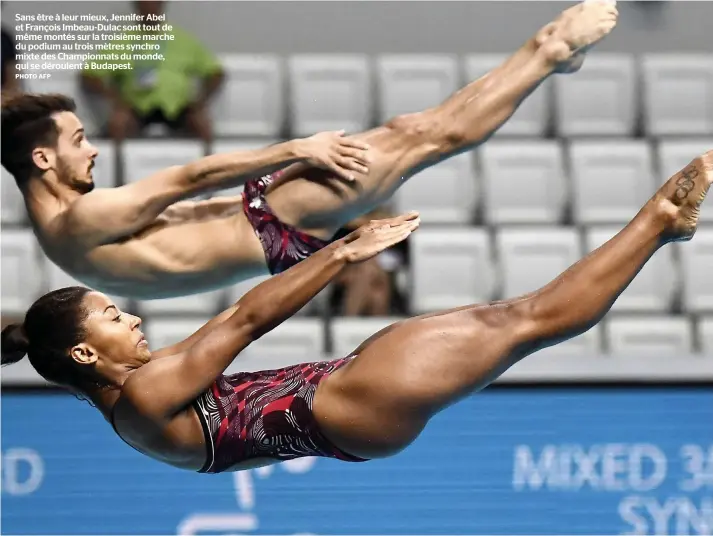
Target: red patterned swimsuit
(266,414)
(284,245)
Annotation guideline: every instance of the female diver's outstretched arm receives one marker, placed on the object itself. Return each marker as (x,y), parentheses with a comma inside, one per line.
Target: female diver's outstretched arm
(165,386)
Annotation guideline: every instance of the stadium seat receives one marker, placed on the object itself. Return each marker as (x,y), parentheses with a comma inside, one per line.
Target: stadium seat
(697,264)
(58,278)
(612,179)
(349,333)
(142,158)
(445,193)
(600,99)
(251,101)
(22,271)
(678,94)
(676,154)
(649,335)
(654,288)
(532,118)
(412,83)
(523,181)
(12,209)
(298,340)
(330,92)
(705,326)
(531,257)
(450,267)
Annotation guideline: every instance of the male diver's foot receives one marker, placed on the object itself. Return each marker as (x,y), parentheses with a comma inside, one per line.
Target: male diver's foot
(567,39)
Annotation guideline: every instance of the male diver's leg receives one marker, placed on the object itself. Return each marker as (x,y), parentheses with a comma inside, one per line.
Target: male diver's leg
(314,201)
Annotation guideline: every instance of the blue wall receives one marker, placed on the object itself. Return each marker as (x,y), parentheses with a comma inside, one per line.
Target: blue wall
(508,461)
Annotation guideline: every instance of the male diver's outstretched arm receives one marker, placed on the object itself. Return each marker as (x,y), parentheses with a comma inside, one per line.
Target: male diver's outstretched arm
(167,385)
(107,215)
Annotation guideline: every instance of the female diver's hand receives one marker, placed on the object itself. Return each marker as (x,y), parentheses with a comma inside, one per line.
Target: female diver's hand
(374,237)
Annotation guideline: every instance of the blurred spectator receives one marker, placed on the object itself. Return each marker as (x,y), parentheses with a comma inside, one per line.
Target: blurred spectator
(9,58)
(370,288)
(157,91)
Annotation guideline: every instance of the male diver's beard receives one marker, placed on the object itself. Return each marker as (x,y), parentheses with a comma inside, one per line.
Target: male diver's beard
(83,187)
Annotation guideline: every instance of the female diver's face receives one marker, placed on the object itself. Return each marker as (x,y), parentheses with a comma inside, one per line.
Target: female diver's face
(113,337)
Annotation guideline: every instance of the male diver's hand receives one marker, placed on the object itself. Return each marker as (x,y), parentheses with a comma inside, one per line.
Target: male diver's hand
(335,152)
(376,236)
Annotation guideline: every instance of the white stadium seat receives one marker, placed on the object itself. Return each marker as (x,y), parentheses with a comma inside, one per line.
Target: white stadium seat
(705,326)
(649,335)
(444,193)
(678,93)
(524,181)
(411,83)
(144,157)
(330,92)
(600,99)
(298,340)
(22,271)
(450,267)
(251,102)
(532,257)
(612,179)
(697,274)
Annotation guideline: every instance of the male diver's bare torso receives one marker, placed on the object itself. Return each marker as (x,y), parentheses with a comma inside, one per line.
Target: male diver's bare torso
(191,247)
(195,247)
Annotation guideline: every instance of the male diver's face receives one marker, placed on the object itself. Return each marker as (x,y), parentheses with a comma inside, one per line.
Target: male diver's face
(74,158)
(114,337)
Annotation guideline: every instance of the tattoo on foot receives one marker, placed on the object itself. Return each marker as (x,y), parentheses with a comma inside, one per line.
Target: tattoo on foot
(685,182)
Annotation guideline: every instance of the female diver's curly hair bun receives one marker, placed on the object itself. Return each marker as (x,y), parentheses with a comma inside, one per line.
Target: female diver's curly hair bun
(53,324)
(15,343)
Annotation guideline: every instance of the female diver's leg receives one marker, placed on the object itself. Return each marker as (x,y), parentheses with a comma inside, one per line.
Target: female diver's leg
(377,404)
